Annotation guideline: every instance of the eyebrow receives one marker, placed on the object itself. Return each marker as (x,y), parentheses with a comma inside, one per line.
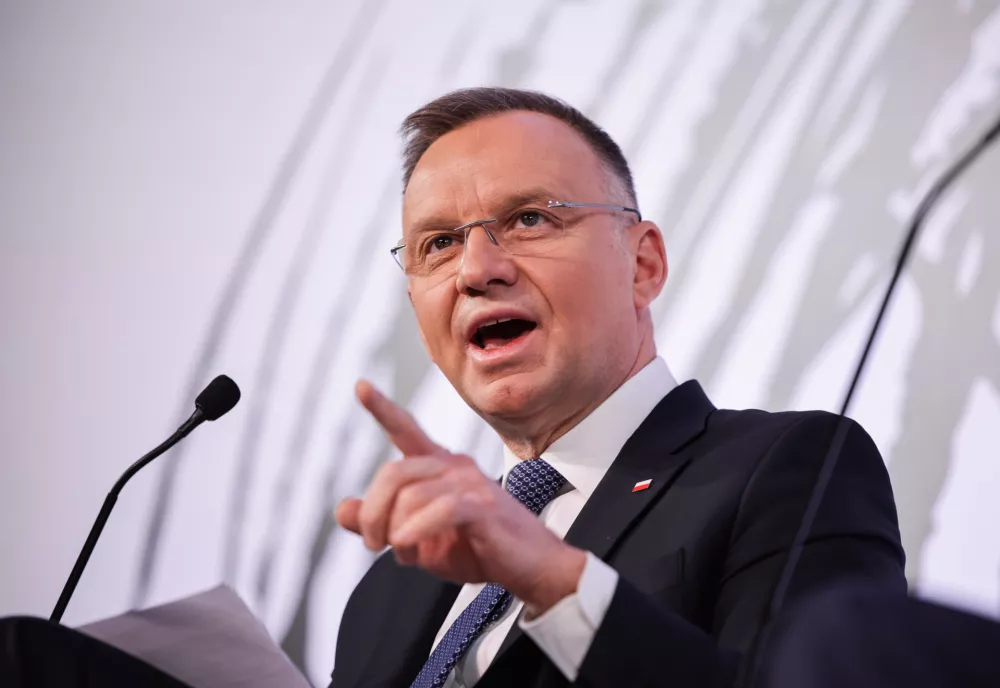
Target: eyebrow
(510,203)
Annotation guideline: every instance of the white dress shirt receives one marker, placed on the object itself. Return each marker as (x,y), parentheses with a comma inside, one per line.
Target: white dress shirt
(583,455)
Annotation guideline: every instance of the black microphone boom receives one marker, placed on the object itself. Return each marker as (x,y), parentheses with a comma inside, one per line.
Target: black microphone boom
(749,676)
(216,400)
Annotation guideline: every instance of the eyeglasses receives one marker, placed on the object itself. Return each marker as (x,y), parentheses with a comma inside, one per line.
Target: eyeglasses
(528,231)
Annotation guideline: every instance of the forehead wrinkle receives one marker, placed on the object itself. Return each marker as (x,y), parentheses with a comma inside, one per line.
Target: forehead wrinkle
(573,172)
(443,212)
(425,190)
(485,171)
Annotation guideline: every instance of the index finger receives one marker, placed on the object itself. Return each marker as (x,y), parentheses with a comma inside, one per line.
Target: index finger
(399,425)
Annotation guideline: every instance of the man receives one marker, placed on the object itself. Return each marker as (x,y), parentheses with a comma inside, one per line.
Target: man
(657,526)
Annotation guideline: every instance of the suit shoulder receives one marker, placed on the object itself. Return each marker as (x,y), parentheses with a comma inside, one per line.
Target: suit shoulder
(806,430)
(756,421)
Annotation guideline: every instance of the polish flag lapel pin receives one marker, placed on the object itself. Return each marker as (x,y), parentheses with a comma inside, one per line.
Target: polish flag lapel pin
(642,485)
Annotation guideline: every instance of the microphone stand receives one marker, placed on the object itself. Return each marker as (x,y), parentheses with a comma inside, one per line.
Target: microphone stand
(196,419)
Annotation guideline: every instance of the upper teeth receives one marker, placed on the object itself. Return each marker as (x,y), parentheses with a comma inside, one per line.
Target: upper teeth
(494,322)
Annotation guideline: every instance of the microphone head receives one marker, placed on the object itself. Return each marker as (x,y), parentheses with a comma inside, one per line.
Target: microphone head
(218,398)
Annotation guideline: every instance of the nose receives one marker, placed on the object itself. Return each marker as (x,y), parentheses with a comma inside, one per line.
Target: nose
(484,263)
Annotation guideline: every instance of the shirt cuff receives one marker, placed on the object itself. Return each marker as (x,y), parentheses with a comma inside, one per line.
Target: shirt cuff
(565,632)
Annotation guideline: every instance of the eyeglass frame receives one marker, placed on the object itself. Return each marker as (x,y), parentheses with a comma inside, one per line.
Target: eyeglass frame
(394,251)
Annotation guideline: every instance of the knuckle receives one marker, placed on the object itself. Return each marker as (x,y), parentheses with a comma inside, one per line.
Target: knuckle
(407,498)
(469,471)
(487,498)
(473,505)
(390,471)
(450,505)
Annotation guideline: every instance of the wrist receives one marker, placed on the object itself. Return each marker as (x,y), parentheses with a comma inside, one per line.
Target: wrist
(559,579)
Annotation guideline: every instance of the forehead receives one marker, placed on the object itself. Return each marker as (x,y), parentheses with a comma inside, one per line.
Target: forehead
(476,167)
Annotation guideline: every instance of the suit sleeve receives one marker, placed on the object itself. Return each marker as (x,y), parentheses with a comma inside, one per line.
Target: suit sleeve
(855,537)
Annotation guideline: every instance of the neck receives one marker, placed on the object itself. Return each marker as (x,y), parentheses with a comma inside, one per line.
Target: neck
(528,442)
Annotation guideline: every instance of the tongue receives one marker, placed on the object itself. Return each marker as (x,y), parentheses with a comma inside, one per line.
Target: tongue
(496,342)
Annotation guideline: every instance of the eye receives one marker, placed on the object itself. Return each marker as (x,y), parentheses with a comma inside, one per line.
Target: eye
(530,218)
(532,224)
(440,242)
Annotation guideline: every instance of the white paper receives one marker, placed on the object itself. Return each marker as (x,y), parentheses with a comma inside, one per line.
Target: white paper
(209,640)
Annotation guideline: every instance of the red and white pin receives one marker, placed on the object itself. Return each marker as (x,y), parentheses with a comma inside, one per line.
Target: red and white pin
(642,485)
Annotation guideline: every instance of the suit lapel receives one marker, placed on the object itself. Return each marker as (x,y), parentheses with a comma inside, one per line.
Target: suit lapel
(407,610)
(652,452)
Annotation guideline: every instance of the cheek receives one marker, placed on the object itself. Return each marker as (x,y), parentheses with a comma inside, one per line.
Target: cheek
(433,312)
(587,293)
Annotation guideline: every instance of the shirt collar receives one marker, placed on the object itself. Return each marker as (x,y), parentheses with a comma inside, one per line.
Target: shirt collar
(584,454)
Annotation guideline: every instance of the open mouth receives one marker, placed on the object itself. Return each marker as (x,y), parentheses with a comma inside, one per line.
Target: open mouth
(501,332)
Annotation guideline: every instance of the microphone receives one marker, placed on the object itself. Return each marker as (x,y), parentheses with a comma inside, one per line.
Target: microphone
(748,678)
(215,401)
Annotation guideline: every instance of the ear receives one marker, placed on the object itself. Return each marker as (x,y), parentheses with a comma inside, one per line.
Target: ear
(650,263)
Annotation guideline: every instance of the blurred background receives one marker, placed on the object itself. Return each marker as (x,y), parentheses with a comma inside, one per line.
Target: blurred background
(189,188)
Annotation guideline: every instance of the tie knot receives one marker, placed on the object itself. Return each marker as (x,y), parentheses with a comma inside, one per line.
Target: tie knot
(534,483)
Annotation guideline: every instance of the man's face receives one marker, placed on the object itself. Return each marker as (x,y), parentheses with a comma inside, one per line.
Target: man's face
(573,333)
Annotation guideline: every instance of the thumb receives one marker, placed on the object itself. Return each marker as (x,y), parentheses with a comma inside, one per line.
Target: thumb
(348,514)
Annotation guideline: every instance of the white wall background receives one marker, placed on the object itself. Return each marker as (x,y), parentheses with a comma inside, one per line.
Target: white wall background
(189,188)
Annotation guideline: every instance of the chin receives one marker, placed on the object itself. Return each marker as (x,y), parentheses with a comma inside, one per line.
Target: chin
(510,396)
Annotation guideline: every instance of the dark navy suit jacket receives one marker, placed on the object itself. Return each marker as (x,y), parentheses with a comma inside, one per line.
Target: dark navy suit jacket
(698,553)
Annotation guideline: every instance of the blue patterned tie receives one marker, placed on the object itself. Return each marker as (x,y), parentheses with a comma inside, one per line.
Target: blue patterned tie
(533,483)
